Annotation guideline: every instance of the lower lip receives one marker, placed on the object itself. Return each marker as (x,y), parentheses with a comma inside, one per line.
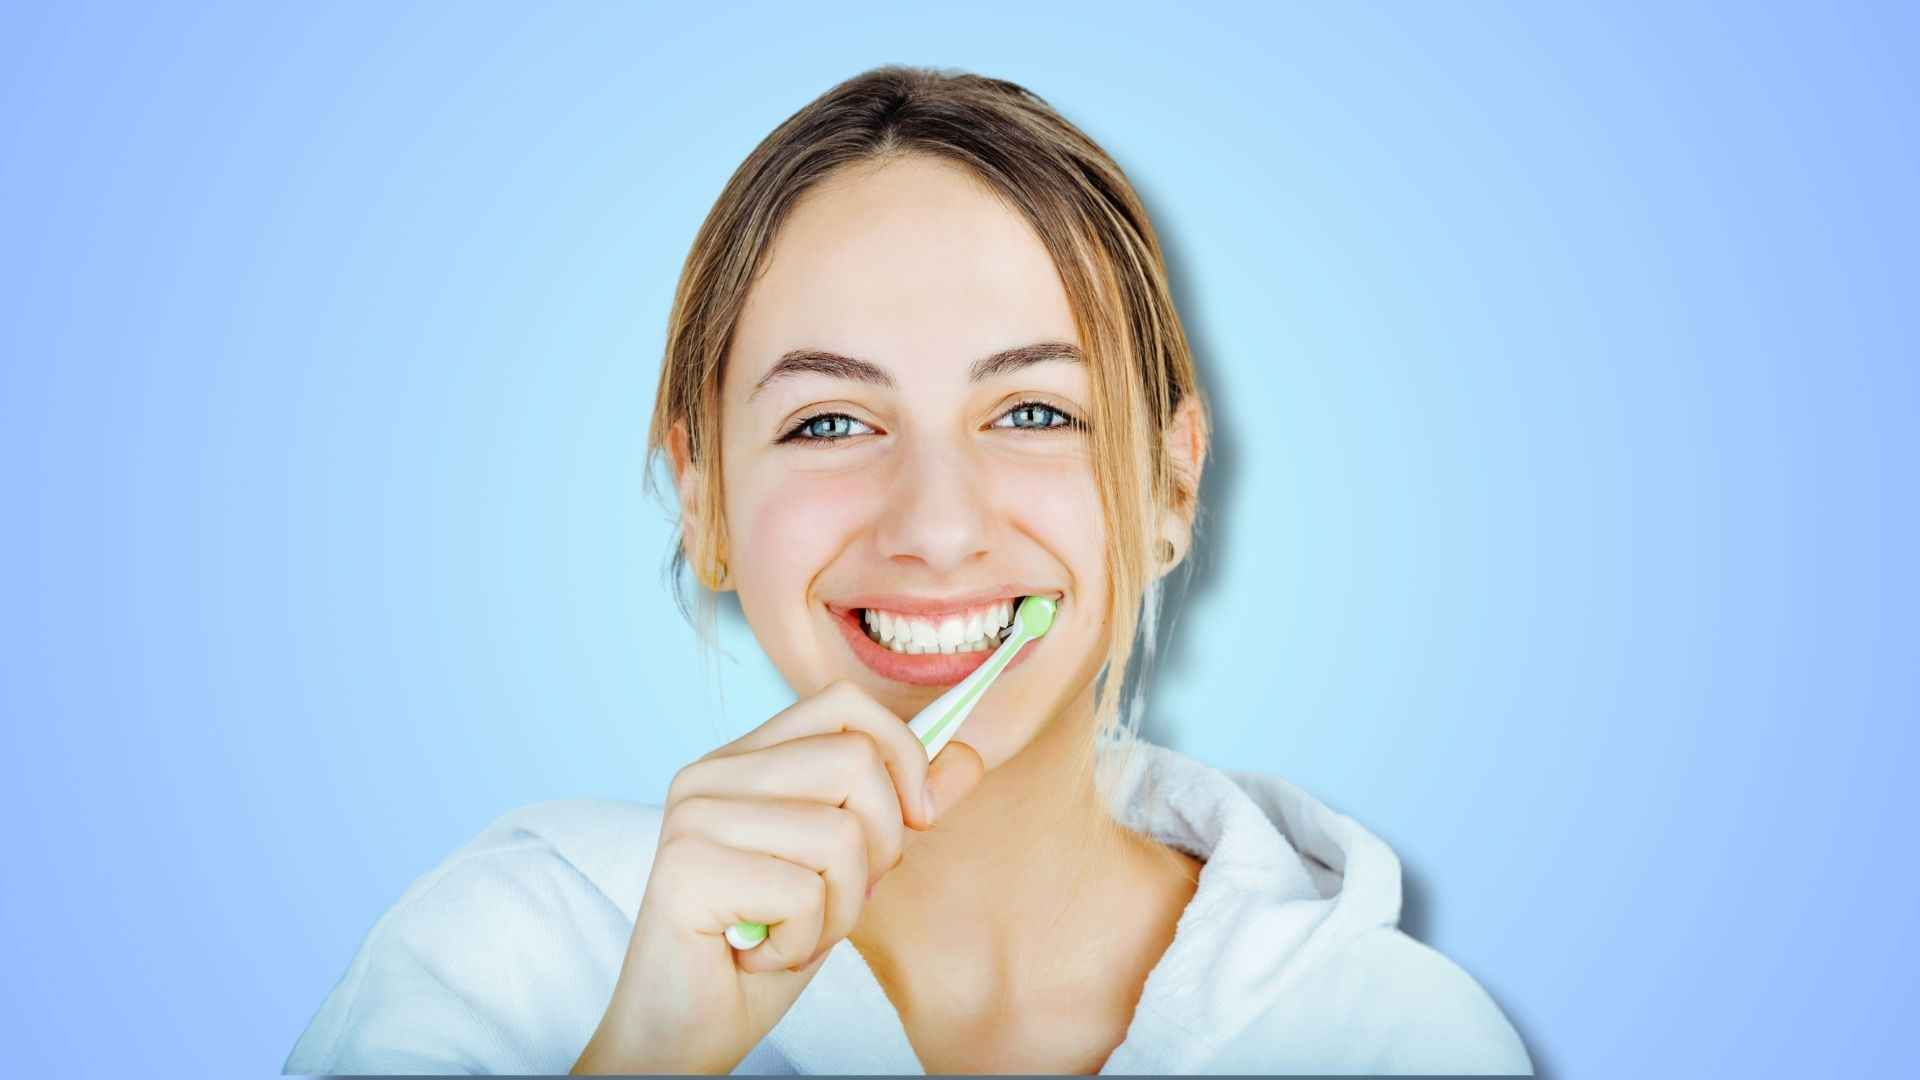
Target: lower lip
(915,669)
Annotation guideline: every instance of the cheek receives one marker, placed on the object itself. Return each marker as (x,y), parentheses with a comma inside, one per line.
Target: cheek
(1061,508)
(793,530)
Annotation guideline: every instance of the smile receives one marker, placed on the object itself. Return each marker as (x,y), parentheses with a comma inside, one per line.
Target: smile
(971,630)
(925,643)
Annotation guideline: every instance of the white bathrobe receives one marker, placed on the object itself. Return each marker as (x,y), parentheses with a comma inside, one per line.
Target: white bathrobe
(1288,959)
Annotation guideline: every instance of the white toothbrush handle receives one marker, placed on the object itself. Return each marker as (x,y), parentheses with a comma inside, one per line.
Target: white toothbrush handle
(936,724)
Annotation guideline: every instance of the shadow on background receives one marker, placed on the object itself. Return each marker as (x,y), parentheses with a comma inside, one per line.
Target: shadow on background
(1192,583)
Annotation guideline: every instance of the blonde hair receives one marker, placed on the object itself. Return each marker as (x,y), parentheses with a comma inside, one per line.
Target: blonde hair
(1094,227)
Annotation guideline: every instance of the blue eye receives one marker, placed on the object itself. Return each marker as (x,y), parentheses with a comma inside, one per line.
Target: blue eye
(822,428)
(1047,417)
(825,428)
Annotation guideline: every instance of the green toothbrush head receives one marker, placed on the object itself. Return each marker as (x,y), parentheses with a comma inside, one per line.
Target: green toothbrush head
(1036,615)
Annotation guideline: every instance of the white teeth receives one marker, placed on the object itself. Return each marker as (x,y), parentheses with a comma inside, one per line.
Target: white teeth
(971,631)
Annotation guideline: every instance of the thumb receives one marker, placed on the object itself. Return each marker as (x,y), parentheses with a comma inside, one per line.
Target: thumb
(953,775)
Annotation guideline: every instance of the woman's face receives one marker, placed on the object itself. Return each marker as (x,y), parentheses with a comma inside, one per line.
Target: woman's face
(916,477)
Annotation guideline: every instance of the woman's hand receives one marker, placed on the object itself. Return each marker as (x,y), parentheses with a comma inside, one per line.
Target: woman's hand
(789,825)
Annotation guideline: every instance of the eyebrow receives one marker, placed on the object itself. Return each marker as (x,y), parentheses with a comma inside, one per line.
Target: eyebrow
(834,365)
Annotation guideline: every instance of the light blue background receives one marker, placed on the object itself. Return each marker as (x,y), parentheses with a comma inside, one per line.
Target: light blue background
(1563,504)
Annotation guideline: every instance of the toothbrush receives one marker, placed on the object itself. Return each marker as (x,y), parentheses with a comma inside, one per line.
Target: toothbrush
(936,724)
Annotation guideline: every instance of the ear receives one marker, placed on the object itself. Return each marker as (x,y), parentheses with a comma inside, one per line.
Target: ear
(689,484)
(1185,442)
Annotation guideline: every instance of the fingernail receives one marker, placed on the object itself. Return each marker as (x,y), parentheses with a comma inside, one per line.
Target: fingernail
(926,799)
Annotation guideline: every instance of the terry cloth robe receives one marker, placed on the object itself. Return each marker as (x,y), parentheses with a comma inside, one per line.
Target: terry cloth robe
(1288,958)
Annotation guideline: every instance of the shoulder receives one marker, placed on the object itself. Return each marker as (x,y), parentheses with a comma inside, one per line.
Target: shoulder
(1386,1003)
(499,959)
(608,842)
(538,861)
(1431,1014)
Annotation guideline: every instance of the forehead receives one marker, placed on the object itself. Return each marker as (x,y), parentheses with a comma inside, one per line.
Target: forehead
(912,264)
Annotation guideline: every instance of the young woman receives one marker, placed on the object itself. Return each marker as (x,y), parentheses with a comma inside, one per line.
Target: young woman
(923,362)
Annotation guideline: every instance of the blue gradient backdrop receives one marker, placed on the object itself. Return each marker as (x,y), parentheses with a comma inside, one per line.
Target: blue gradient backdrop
(1563,508)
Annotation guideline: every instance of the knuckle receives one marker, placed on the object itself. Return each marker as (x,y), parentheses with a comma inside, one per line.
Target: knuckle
(865,748)
(683,781)
(685,816)
(673,851)
(851,834)
(817,891)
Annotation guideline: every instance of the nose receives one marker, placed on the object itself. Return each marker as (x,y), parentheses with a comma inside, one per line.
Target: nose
(937,510)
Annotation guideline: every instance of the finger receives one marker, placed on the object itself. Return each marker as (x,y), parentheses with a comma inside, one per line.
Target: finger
(838,769)
(826,839)
(843,706)
(953,776)
(788,898)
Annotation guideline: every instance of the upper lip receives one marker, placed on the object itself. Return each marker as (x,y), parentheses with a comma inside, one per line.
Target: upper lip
(903,604)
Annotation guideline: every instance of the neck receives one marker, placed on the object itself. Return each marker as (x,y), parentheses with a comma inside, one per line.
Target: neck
(1005,878)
